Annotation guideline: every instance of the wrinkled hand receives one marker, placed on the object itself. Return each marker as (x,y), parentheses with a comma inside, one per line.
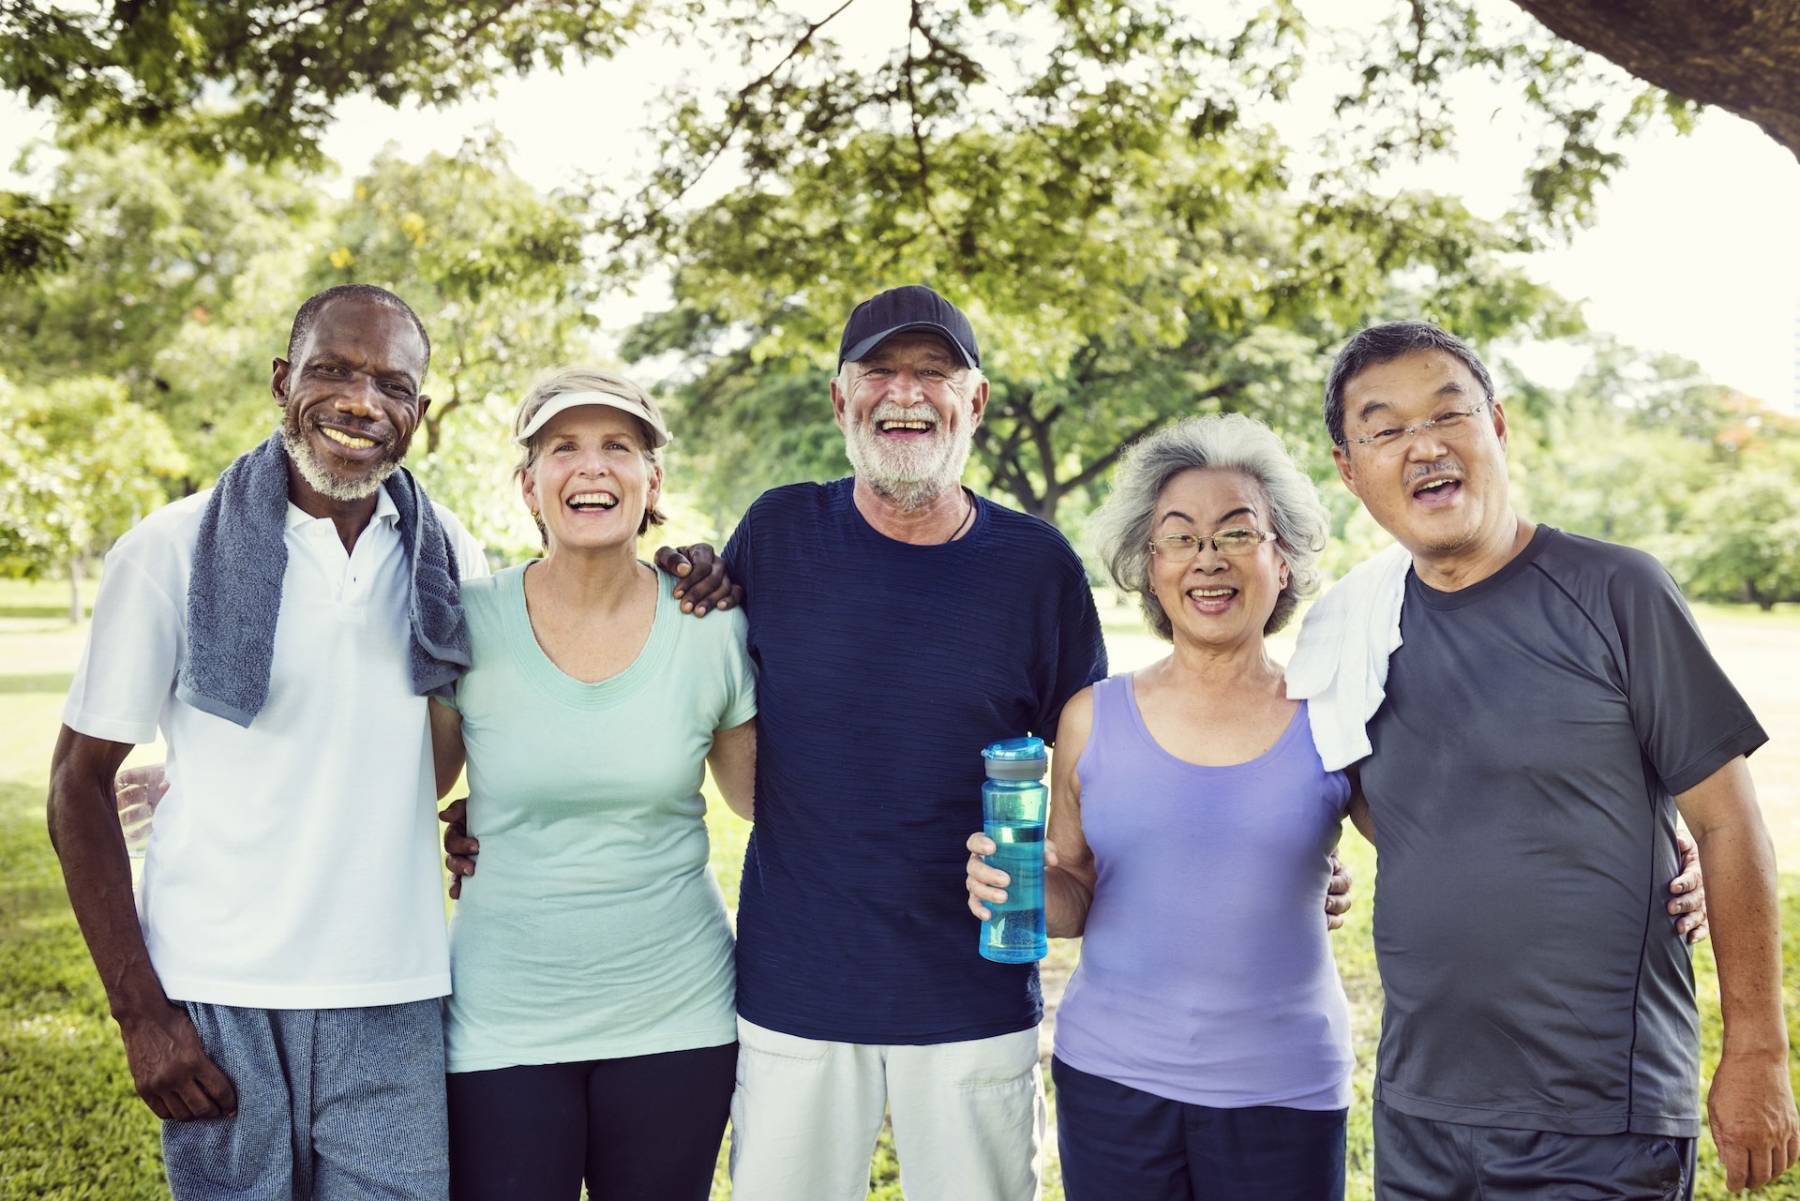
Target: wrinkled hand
(704,584)
(985,883)
(1750,1108)
(1689,906)
(138,791)
(171,1071)
(1337,893)
(459,849)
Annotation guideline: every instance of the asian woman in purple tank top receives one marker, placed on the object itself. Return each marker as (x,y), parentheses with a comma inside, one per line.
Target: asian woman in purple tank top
(1202,1047)
(1203,1044)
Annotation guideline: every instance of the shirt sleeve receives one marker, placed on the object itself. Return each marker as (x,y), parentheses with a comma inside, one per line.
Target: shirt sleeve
(1689,718)
(128,668)
(1080,650)
(740,673)
(737,554)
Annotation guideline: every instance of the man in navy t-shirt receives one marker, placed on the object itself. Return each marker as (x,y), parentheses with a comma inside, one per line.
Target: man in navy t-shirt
(1550,708)
(949,622)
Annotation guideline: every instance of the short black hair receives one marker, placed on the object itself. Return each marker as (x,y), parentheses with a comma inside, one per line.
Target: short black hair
(1383,344)
(315,304)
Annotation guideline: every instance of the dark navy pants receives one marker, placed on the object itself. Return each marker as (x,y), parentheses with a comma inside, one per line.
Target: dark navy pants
(1123,1144)
(634,1128)
(1418,1159)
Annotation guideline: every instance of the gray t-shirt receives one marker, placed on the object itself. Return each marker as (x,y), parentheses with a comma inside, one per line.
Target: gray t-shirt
(1536,727)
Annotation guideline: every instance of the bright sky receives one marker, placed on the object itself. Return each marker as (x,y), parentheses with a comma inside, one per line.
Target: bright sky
(1695,250)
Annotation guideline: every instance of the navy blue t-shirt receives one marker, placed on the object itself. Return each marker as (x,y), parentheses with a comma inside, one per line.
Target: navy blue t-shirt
(883,668)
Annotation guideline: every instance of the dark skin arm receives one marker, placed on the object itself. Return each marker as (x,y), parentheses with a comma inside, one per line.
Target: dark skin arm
(169,1067)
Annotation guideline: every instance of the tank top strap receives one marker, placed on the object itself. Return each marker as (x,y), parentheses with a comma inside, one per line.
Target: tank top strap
(1112,724)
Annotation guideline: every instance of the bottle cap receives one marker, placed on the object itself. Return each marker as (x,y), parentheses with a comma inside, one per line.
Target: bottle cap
(1016,759)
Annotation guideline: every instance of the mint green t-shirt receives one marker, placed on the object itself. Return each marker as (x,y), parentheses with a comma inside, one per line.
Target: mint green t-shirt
(592,928)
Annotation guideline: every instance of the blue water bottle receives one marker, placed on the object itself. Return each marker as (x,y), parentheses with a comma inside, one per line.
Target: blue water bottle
(1014,807)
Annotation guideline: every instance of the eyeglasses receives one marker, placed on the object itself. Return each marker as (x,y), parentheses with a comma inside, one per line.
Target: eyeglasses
(1449,423)
(1235,540)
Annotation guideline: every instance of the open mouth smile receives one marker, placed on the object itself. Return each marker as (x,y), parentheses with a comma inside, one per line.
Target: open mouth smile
(909,428)
(1437,492)
(1213,598)
(354,446)
(592,502)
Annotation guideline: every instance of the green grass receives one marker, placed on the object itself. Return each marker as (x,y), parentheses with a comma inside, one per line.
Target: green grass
(71,1128)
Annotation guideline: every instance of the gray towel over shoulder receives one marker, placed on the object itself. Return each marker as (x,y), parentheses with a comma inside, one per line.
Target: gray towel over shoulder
(234,593)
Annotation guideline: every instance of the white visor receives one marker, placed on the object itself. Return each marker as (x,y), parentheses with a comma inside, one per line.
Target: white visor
(659,433)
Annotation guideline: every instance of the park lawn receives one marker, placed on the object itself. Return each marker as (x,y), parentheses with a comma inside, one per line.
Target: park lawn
(72,1128)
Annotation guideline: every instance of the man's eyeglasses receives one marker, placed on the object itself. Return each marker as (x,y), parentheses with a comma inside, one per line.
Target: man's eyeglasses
(1449,423)
(1234,540)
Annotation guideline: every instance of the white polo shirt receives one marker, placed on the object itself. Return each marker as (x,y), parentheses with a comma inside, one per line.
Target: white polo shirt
(294,864)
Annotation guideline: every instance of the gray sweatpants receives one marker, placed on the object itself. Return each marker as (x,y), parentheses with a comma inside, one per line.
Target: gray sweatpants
(333,1105)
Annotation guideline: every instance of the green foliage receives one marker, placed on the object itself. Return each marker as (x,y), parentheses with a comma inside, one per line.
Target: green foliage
(258,80)
(34,236)
(497,273)
(1122,271)
(176,257)
(92,463)
(185,282)
(1744,543)
(1640,450)
(34,521)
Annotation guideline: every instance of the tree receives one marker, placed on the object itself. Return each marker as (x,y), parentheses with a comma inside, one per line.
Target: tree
(259,80)
(182,265)
(1746,543)
(1741,55)
(91,464)
(498,274)
(1129,248)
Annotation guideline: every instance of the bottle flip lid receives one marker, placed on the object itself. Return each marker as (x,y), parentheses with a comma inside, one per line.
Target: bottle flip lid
(1016,759)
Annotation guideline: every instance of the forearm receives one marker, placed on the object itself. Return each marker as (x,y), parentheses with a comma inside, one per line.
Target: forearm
(1066,901)
(84,829)
(447,753)
(733,763)
(1744,913)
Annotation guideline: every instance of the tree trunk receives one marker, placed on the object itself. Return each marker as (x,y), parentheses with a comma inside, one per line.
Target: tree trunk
(1741,55)
(75,611)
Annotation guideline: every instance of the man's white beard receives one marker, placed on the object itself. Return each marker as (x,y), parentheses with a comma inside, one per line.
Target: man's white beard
(326,484)
(909,475)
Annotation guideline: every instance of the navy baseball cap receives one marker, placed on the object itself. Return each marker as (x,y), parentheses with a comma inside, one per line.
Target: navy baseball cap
(898,310)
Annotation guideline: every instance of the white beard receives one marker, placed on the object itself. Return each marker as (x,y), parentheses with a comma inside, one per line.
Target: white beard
(333,487)
(910,475)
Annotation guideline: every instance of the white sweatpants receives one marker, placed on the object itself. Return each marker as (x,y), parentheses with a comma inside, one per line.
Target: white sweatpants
(968,1117)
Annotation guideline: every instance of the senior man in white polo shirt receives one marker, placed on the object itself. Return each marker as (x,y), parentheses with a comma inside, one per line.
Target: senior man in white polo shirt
(277,983)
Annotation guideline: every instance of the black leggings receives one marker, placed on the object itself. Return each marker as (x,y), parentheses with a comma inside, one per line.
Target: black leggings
(641,1128)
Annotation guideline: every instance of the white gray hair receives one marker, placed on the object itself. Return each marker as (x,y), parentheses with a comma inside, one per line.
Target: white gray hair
(1225,442)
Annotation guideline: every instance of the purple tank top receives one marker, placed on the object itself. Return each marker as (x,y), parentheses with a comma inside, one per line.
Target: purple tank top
(1206,973)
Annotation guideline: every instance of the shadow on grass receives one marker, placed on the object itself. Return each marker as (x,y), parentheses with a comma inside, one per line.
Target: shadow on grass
(56,682)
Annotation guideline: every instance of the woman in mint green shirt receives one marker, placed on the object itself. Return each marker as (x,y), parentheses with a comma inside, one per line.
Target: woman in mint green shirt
(591,1027)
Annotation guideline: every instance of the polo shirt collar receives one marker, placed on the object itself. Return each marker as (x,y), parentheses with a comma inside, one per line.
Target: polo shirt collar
(384,511)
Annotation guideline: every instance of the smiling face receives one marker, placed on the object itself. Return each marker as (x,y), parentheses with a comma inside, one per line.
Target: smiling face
(909,413)
(590,480)
(1215,600)
(350,398)
(1442,495)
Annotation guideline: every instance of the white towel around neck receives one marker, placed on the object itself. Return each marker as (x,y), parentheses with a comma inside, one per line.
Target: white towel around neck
(1340,659)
